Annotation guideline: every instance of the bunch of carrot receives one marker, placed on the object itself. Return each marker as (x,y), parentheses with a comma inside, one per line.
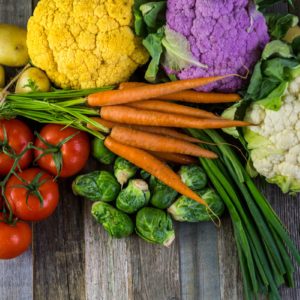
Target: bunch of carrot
(142,118)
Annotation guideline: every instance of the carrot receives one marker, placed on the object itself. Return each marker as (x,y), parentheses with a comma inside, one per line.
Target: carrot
(159,130)
(152,165)
(159,143)
(175,158)
(107,124)
(133,116)
(114,97)
(200,97)
(166,131)
(189,95)
(164,106)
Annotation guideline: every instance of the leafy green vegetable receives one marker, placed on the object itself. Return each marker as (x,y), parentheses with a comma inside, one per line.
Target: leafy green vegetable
(193,176)
(153,44)
(135,196)
(277,48)
(115,222)
(101,153)
(154,14)
(274,99)
(96,186)
(155,226)
(162,196)
(263,4)
(188,210)
(124,170)
(280,24)
(178,54)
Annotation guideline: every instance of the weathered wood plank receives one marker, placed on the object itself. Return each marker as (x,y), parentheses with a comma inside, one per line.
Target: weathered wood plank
(59,251)
(155,270)
(199,261)
(16,276)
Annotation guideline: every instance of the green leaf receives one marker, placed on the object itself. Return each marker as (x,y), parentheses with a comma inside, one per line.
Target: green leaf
(140,27)
(279,24)
(274,99)
(255,82)
(278,68)
(154,46)
(178,55)
(154,14)
(263,4)
(277,48)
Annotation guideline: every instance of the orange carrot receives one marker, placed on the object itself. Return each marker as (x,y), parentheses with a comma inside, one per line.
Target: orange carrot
(166,131)
(107,124)
(154,166)
(131,84)
(159,143)
(159,130)
(164,106)
(189,95)
(175,158)
(134,94)
(200,97)
(133,116)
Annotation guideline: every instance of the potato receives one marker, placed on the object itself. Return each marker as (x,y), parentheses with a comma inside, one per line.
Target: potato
(13,48)
(33,80)
(2,77)
(292,33)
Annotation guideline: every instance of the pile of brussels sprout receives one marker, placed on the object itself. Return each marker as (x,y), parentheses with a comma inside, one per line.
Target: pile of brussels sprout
(128,199)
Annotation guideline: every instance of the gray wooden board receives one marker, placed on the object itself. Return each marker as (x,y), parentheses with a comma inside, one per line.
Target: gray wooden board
(73,258)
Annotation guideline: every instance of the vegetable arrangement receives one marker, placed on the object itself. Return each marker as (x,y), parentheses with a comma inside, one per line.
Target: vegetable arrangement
(164,157)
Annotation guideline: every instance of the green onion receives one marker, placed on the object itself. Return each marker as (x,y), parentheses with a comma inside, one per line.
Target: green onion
(64,107)
(263,243)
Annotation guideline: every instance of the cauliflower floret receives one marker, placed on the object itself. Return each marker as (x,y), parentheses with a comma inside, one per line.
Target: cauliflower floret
(226,35)
(85,43)
(278,157)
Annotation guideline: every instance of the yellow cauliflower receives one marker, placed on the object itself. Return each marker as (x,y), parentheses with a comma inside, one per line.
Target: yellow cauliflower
(85,43)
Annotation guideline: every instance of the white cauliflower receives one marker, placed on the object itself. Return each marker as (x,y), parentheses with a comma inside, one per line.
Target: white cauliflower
(274,141)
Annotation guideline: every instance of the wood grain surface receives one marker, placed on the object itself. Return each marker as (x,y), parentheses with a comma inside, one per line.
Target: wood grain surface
(73,258)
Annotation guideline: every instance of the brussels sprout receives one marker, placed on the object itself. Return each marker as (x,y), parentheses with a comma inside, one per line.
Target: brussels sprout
(101,153)
(124,170)
(193,176)
(162,196)
(115,222)
(155,226)
(188,210)
(135,196)
(97,186)
(145,175)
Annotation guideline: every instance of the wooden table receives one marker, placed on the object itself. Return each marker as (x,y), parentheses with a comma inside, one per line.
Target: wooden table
(73,258)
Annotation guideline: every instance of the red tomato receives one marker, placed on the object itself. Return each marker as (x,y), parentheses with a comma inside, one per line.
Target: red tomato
(18,136)
(14,239)
(74,153)
(24,201)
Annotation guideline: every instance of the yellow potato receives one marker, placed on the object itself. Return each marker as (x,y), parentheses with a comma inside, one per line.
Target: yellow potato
(292,33)
(13,48)
(33,80)
(2,77)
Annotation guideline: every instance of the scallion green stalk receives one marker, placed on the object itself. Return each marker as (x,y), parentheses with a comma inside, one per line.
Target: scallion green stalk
(256,225)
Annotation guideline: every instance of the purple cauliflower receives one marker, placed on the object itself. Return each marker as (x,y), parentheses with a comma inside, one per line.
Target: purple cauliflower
(226,35)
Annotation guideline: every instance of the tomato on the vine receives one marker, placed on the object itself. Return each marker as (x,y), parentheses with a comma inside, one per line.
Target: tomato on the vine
(33,194)
(65,150)
(15,238)
(15,135)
